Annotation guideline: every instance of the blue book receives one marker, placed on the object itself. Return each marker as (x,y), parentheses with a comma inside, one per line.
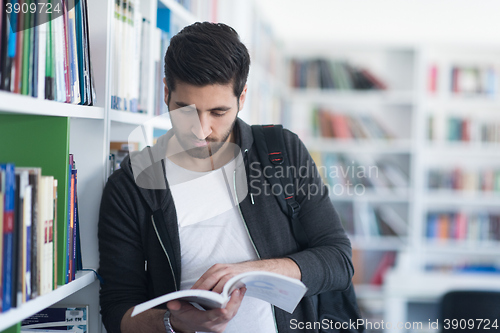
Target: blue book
(68,221)
(8,235)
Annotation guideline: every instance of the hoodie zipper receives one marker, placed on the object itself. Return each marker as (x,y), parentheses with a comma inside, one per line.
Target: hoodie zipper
(249,236)
(164,250)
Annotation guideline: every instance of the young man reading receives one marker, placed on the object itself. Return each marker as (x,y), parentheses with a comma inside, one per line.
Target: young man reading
(194,210)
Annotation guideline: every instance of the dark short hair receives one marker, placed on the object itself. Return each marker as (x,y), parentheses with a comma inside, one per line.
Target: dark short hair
(206,53)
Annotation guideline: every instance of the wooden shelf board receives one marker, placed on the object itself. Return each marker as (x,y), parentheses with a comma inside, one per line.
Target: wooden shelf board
(15,103)
(32,307)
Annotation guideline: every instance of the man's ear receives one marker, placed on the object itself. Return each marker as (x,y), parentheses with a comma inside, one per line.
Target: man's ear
(243,97)
(165,91)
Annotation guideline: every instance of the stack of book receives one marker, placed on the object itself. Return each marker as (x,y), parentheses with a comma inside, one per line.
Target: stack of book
(29,227)
(327,74)
(458,179)
(331,124)
(461,226)
(45,53)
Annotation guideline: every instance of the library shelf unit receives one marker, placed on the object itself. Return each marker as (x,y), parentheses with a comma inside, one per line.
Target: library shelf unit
(411,99)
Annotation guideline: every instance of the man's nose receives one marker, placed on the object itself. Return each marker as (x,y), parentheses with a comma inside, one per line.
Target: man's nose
(203,128)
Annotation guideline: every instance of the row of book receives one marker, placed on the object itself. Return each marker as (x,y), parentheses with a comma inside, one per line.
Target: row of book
(29,226)
(460,129)
(474,80)
(458,179)
(369,221)
(130,57)
(463,226)
(46,53)
(476,267)
(332,74)
(331,124)
(162,40)
(464,130)
(353,175)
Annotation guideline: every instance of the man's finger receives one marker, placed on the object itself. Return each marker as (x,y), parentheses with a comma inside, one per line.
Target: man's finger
(235,301)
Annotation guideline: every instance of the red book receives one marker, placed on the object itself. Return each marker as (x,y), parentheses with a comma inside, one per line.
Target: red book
(340,127)
(433,73)
(466,128)
(385,263)
(454,80)
(66,43)
(460,226)
(325,124)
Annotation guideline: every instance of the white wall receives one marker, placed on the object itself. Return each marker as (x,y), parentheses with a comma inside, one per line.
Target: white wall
(385,21)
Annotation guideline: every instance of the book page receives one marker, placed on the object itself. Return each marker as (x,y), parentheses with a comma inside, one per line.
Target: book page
(205,298)
(279,290)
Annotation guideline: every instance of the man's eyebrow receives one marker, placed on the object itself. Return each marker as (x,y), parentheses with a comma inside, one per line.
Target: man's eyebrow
(217,108)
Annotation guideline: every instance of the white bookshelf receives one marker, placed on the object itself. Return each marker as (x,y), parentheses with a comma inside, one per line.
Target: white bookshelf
(409,105)
(19,104)
(13,316)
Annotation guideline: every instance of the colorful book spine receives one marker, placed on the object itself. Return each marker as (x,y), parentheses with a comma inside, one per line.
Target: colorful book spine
(8,231)
(74,228)
(68,221)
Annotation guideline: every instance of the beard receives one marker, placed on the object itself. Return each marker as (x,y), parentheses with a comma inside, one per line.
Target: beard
(212,147)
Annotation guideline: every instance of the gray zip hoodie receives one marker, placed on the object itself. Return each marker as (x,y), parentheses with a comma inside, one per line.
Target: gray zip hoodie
(139,242)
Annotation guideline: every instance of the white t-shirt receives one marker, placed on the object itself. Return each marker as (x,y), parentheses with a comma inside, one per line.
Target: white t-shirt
(212,231)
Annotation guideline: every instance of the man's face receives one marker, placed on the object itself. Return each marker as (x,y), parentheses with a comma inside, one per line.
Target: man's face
(203,117)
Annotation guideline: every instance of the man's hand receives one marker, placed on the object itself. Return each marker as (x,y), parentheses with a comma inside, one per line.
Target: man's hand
(184,317)
(216,276)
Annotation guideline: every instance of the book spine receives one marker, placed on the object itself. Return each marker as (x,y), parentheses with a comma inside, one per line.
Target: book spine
(73,53)
(18,63)
(68,223)
(49,234)
(8,230)
(66,52)
(42,54)
(55,256)
(74,231)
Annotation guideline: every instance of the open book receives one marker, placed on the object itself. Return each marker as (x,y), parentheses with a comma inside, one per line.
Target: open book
(279,290)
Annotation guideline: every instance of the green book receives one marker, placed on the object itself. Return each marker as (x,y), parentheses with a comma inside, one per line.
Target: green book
(50,81)
(13,329)
(42,141)
(27,50)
